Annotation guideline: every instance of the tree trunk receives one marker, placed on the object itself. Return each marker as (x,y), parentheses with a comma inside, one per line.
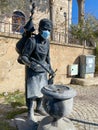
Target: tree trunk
(51,6)
(81,11)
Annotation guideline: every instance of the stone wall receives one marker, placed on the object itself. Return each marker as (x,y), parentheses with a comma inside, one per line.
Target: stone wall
(59,21)
(59,7)
(12,74)
(64,55)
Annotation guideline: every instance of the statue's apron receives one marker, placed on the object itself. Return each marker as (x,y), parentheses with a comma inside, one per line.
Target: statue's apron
(35,81)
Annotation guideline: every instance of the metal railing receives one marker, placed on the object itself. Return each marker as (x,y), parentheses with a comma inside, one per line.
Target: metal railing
(9,28)
(58,36)
(17,29)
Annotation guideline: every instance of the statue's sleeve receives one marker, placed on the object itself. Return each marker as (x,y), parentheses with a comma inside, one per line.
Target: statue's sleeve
(48,58)
(48,53)
(28,48)
(27,51)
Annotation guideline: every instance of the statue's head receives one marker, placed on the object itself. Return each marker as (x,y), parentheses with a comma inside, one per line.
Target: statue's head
(45,28)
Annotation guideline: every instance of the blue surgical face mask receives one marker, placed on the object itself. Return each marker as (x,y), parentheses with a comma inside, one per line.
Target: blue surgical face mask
(45,34)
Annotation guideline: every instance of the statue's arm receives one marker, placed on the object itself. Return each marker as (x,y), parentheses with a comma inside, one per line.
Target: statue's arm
(27,51)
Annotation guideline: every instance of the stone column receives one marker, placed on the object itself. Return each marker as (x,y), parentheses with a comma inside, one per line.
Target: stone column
(51,9)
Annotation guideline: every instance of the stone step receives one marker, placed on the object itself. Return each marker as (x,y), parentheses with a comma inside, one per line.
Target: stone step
(85,82)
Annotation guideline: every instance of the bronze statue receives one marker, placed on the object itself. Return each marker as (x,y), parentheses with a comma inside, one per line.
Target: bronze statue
(33,52)
(36,57)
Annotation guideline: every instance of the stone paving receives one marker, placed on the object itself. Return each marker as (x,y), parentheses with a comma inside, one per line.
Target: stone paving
(85,110)
(84,115)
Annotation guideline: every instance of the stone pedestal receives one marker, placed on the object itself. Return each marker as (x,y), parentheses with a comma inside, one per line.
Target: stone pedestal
(62,124)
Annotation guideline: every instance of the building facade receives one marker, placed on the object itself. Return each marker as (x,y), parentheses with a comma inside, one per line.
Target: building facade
(57,7)
(59,11)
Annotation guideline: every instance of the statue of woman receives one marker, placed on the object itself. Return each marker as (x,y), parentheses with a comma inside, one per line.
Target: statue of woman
(37,47)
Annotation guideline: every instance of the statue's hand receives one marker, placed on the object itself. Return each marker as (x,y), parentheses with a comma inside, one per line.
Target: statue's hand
(50,80)
(32,65)
(51,73)
(51,77)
